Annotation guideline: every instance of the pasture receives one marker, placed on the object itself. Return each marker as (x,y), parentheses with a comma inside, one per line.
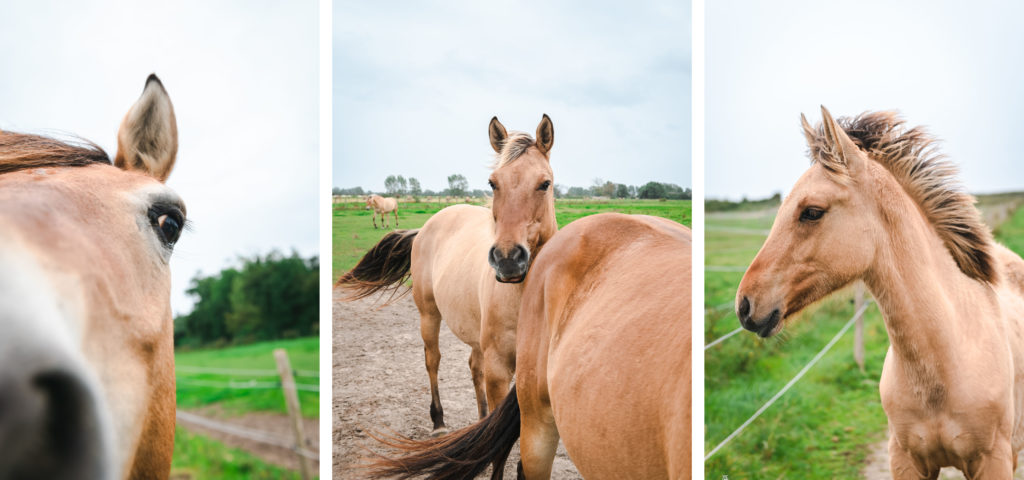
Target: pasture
(353,233)
(239,393)
(831,421)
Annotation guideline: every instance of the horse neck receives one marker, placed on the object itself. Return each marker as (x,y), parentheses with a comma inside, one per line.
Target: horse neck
(929,306)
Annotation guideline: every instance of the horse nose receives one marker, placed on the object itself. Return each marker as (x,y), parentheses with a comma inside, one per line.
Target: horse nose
(49,424)
(510,266)
(744,309)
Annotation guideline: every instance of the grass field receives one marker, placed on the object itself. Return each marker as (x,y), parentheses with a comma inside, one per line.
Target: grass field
(822,427)
(353,232)
(201,457)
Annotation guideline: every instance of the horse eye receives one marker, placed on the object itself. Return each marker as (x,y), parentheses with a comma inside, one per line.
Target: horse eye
(168,223)
(493,186)
(811,214)
(544,186)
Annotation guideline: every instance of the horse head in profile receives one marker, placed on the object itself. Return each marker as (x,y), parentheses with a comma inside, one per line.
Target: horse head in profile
(524,202)
(86,355)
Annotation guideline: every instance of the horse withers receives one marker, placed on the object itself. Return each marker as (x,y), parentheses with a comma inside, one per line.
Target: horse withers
(467,264)
(602,363)
(86,353)
(879,204)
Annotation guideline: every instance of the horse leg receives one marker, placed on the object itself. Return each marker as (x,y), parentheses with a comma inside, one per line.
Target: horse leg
(498,371)
(374,217)
(476,358)
(430,329)
(902,464)
(396,218)
(996,464)
(538,440)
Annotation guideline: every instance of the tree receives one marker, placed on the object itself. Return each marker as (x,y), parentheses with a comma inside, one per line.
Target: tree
(621,191)
(457,185)
(414,187)
(391,185)
(559,190)
(652,190)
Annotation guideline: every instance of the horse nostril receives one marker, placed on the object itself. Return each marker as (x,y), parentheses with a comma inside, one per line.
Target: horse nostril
(492,255)
(517,253)
(744,310)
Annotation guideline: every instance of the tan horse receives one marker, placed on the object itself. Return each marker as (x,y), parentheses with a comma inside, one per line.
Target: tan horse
(86,349)
(457,255)
(603,363)
(382,206)
(879,204)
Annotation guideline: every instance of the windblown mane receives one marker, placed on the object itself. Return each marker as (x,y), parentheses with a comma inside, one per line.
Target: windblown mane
(927,176)
(19,151)
(514,147)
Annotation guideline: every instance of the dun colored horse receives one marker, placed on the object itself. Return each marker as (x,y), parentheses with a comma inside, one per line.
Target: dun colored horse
(457,255)
(86,352)
(382,206)
(879,204)
(603,363)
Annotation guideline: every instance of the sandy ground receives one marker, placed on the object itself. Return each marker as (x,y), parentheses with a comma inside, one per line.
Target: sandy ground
(273,424)
(381,385)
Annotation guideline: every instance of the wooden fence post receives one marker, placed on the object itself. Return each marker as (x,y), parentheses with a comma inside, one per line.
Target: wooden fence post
(291,398)
(858,332)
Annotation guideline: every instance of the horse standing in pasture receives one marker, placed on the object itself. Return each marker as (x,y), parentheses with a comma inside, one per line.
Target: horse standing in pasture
(86,354)
(603,363)
(467,264)
(880,205)
(382,206)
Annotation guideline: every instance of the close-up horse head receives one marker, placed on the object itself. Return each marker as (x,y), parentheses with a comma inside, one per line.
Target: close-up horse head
(524,202)
(832,227)
(87,385)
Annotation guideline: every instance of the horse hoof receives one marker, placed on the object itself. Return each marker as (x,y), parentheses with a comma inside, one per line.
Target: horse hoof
(439,432)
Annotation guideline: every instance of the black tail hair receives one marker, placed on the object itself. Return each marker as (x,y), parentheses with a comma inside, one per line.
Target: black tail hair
(384,268)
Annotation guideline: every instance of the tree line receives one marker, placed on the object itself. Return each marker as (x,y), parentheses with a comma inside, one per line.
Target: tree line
(264,298)
(458,186)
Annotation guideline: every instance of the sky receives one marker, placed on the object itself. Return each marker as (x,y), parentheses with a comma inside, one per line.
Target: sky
(416,83)
(955,67)
(243,78)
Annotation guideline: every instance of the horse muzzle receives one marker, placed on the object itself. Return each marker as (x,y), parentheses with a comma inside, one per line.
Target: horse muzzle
(510,266)
(763,327)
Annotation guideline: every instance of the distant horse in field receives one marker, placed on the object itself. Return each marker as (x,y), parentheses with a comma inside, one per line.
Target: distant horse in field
(467,264)
(879,204)
(86,348)
(382,206)
(603,363)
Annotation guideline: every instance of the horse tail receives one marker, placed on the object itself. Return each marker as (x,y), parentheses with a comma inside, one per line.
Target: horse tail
(384,268)
(462,454)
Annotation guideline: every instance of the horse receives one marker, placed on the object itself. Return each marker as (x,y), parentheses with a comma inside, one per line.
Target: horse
(603,363)
(879,204)
(382,206)
(467,264)
(86,355)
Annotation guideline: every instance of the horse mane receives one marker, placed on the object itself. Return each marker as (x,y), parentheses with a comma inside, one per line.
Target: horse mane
(912,157)
(19,151)
(512,148)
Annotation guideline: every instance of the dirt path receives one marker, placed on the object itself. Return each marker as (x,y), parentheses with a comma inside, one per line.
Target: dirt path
(273,424)
(380,383)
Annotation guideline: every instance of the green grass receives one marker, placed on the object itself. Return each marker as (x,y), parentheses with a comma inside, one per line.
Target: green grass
(353,233)
(303,353)
(200,457)
(822,426)
(1011,232)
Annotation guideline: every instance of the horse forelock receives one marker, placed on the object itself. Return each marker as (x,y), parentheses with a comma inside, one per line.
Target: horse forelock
(912,157)
(19,151)
(513,147)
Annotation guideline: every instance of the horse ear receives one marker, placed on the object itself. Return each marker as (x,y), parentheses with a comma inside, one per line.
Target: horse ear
(148,138)
(497,133)
(545,135)
(808,131)
(845,152)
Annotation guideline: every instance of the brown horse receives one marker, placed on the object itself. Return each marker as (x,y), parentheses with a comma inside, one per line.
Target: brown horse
(86,352)
(457,255)
(603,363)
(879,204)
(382,206)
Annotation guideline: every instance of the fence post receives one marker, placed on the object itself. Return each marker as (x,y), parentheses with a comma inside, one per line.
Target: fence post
(291,398)
(858,332)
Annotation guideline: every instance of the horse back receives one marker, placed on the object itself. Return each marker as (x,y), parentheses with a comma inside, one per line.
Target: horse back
(611,302)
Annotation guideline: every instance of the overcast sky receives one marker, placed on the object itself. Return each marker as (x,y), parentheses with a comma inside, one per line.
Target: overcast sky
(243,79)
(957,67)
(415,84)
